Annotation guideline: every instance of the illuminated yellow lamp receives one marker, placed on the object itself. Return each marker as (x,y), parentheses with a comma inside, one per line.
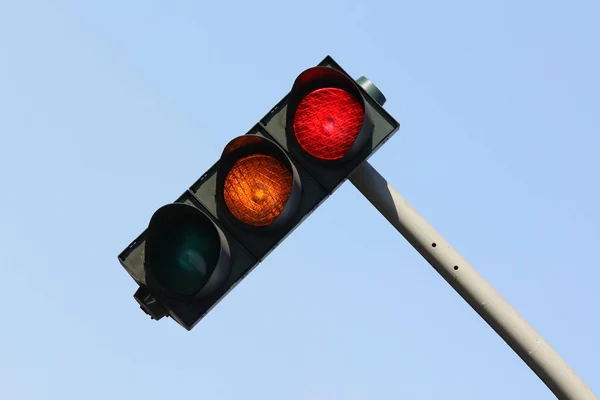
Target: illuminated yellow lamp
(257,188)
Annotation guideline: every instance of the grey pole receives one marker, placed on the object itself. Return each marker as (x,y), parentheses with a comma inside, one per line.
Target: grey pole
(472,287)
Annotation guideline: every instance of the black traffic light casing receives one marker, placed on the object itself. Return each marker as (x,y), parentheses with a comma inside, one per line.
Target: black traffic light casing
(221,201)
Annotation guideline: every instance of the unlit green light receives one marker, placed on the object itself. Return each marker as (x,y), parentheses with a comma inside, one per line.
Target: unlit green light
(186,257)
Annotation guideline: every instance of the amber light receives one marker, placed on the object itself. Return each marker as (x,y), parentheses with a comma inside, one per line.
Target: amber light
(327,122)
(257,188)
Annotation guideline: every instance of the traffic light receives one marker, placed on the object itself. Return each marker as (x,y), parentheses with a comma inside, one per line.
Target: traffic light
(265,183)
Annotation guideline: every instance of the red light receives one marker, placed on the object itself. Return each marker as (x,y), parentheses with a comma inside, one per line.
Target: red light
(327,122)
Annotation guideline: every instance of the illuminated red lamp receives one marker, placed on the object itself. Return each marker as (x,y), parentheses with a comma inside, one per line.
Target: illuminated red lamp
(258,187)
(326,115)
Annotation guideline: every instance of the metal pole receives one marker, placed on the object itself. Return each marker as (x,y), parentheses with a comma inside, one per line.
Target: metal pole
(480,295)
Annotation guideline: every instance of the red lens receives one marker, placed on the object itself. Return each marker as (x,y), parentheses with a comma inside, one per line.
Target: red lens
(327,122)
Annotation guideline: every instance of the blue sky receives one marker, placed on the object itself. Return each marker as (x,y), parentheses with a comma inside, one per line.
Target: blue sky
(110,109)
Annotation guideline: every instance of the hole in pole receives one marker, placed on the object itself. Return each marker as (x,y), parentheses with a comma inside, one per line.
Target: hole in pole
(433,244)
(455,267)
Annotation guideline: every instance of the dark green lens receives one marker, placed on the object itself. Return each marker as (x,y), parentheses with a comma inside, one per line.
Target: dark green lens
(185,257)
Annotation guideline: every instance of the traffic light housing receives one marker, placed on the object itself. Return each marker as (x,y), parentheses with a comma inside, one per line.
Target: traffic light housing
(263,186)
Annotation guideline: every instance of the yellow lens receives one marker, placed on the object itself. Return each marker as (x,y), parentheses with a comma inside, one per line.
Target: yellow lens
(257,188)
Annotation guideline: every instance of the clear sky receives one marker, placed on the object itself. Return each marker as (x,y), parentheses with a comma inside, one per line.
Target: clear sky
(110,109)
